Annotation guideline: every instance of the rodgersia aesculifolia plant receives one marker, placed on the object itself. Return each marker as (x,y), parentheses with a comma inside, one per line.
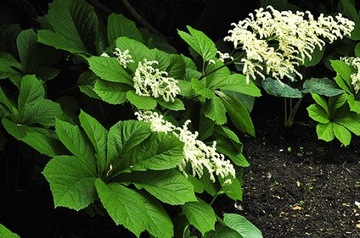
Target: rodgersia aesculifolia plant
(177,144)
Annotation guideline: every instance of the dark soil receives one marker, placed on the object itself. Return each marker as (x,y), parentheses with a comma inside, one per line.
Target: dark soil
(298,186)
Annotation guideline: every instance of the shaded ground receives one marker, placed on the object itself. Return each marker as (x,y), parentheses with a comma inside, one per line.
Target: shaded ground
(298,186)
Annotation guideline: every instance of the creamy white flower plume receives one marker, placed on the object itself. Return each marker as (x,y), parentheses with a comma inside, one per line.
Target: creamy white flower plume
(150,81)
(276,42)
(123,57)
(196,153)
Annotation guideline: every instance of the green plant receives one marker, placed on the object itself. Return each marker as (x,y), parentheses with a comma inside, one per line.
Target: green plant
(338,116)
(131,168)
(4,232)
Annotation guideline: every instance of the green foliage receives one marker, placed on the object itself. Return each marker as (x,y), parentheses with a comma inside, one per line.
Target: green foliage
(6,233)
(339,115)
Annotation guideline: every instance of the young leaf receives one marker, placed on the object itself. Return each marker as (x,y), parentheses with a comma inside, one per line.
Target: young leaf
(113,93)
(215,110)
(124,205)
(76,142)
(168,186)
(199,42)
(109,69)
(141,102)
(325,131)
(75,25)
(98,136)
(72,183)
(318,114)
(118,25)
(240,224)
(342,134)
(200,214)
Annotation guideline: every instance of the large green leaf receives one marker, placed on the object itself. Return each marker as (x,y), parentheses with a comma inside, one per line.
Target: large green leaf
(344,71)
(321,86)
(354,104)
(215,110)
(6,233)
(240,224)
(351,122)
(199,42)
(177,105)
(124,205)
(176,68)
(113,93)
(75,25)
(237,83)
(279,89)
(109,69)
(72,183)
(118,25)
(76,142)
(98,136)
(200,214)
(31,92)
(168,186)
(216,73)
(25,40)
(40,139)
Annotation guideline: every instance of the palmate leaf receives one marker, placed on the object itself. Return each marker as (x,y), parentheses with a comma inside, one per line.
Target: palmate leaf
(124,205)
(200,214)
(199,42)
(72,183)
(168,186)
(75,25)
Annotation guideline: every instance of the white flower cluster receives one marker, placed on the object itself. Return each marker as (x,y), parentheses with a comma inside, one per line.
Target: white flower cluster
(276,42)
(149,81)
(124,58)
(354,63)
(196,153)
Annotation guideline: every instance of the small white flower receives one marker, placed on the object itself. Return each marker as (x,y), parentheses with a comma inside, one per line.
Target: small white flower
(149,81)
(354,63)
(224,56)
(123,57)
(277,41)
(195,153)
